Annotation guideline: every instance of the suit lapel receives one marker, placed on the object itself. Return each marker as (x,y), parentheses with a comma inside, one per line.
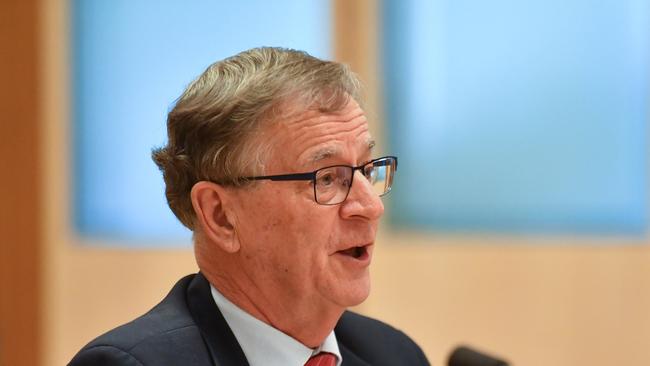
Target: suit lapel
(349,358)
(218,336)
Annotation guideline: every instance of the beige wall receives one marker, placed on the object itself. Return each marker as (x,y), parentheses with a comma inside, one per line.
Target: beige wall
(554,301)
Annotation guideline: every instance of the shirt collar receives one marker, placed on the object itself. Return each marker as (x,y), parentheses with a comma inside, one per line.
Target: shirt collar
(264,345)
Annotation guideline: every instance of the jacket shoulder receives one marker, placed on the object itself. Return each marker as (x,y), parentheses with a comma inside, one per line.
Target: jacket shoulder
(166,334)
(376,342)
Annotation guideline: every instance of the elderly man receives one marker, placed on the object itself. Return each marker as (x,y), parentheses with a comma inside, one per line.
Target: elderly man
(269,162)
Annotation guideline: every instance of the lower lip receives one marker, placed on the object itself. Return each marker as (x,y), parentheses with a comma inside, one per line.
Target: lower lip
(363,260)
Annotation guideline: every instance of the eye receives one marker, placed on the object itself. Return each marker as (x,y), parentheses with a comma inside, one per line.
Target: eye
(325,179)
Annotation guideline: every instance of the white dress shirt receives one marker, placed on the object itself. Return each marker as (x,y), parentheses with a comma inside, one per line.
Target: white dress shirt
(264,345)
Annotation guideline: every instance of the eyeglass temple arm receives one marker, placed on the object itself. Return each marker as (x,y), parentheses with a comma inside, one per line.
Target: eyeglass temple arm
(285,177)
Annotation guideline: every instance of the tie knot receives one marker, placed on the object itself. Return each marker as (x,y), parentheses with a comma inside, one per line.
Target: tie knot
(322,359)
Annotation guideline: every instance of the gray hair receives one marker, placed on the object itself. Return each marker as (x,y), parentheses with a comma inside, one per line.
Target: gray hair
(212,127)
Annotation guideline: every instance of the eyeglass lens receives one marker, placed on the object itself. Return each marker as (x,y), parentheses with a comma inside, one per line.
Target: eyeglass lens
(333,183)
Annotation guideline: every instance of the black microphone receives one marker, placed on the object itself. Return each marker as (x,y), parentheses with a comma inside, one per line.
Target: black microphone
(465,356)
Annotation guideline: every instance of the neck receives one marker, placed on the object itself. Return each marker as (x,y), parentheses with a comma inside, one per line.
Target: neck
(305,319)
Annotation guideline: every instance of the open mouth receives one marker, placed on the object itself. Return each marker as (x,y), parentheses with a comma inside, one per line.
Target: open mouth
(355,252)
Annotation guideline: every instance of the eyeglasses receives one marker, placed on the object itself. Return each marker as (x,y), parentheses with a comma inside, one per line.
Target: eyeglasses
(332,184)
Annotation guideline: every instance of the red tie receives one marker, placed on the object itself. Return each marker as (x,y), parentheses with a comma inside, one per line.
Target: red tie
(322,359)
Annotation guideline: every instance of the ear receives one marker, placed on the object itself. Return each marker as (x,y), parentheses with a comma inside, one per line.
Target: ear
(211,206)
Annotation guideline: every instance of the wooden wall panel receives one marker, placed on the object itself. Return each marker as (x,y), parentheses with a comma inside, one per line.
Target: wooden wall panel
(19,184)
(355,27)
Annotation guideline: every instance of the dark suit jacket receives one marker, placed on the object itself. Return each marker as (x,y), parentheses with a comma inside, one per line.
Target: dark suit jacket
(187,329)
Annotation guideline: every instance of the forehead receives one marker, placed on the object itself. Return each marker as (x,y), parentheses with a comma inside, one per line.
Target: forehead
(311,137)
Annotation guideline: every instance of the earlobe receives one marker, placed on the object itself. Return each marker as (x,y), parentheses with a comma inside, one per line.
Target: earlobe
(211,205)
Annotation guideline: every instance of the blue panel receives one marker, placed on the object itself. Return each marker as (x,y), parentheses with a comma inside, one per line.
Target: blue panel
(131,60)
(516,116)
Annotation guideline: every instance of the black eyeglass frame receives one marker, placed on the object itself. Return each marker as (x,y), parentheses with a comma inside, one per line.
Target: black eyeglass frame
(386,160)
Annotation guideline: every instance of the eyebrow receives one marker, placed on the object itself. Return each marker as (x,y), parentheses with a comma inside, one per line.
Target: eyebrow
(371,144)
(328,152)
(324,153)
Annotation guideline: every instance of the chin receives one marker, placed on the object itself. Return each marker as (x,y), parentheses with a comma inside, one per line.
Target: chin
(359,299)
(354,293)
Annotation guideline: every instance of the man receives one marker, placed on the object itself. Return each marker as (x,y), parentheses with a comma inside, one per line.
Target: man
(269,163)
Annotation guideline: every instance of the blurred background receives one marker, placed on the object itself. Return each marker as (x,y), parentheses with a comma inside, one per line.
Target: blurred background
(518,223)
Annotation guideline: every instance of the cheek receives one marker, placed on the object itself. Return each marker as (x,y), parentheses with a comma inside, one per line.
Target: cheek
(287,228)
(318,234)
(302,241)
(264,220)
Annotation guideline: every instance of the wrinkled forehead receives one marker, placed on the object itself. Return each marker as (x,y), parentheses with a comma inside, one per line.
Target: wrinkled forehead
(303,139)
(331,150)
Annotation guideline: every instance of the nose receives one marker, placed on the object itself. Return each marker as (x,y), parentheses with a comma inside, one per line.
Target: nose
(362,201)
